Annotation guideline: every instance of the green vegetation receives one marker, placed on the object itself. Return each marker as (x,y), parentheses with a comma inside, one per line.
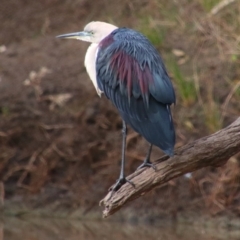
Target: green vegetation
(155,34)
(208,4)
(5,111)
(212,115)
(185,86)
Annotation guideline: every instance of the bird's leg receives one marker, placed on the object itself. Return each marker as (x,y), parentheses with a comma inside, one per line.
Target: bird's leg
(147,162)
(122,179)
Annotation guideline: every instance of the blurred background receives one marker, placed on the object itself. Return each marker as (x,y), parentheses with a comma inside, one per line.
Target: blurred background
(60,143)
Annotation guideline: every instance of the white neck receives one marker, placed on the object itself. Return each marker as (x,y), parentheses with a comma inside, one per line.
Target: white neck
(90,64)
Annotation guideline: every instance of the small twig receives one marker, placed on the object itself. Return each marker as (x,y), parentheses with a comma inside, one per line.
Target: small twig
(57,126)
(227,100)
(220,6)
(28,168)
(2,194)
(63,154)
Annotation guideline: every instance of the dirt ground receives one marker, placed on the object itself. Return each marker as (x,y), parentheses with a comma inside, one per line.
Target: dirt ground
(60,144)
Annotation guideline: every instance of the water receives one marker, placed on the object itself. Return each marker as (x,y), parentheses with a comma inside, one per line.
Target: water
(41,229)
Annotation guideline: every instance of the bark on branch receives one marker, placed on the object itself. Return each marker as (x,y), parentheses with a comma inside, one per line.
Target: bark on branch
(213,150)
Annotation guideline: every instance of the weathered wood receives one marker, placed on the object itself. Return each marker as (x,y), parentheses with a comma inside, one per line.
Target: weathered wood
(213,150)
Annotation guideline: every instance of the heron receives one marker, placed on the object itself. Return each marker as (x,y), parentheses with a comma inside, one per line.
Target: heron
(128,69)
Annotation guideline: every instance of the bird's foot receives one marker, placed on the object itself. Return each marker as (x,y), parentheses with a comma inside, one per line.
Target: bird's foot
(147,164)
(120,182)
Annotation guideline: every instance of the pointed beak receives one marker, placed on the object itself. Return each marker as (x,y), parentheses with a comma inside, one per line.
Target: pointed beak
(76,35)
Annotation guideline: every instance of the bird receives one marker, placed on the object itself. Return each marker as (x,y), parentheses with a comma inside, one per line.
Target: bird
(124,65)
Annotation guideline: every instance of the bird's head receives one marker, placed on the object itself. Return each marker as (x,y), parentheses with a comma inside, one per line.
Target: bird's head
(93,32)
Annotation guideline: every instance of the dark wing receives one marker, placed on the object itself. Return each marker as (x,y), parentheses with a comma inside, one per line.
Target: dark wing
(131,74)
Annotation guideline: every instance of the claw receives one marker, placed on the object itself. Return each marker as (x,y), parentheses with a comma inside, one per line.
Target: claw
(120,182)
(147,164)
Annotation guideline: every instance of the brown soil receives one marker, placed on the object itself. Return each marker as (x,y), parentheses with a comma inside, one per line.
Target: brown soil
(60,144)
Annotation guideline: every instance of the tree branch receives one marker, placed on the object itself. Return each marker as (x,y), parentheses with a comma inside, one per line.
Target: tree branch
(213,150)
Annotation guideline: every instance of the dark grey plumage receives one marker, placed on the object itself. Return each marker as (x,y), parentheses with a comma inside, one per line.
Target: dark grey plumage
(132,75)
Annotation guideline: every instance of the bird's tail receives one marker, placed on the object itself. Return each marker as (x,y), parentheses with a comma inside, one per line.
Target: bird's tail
(157,128)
